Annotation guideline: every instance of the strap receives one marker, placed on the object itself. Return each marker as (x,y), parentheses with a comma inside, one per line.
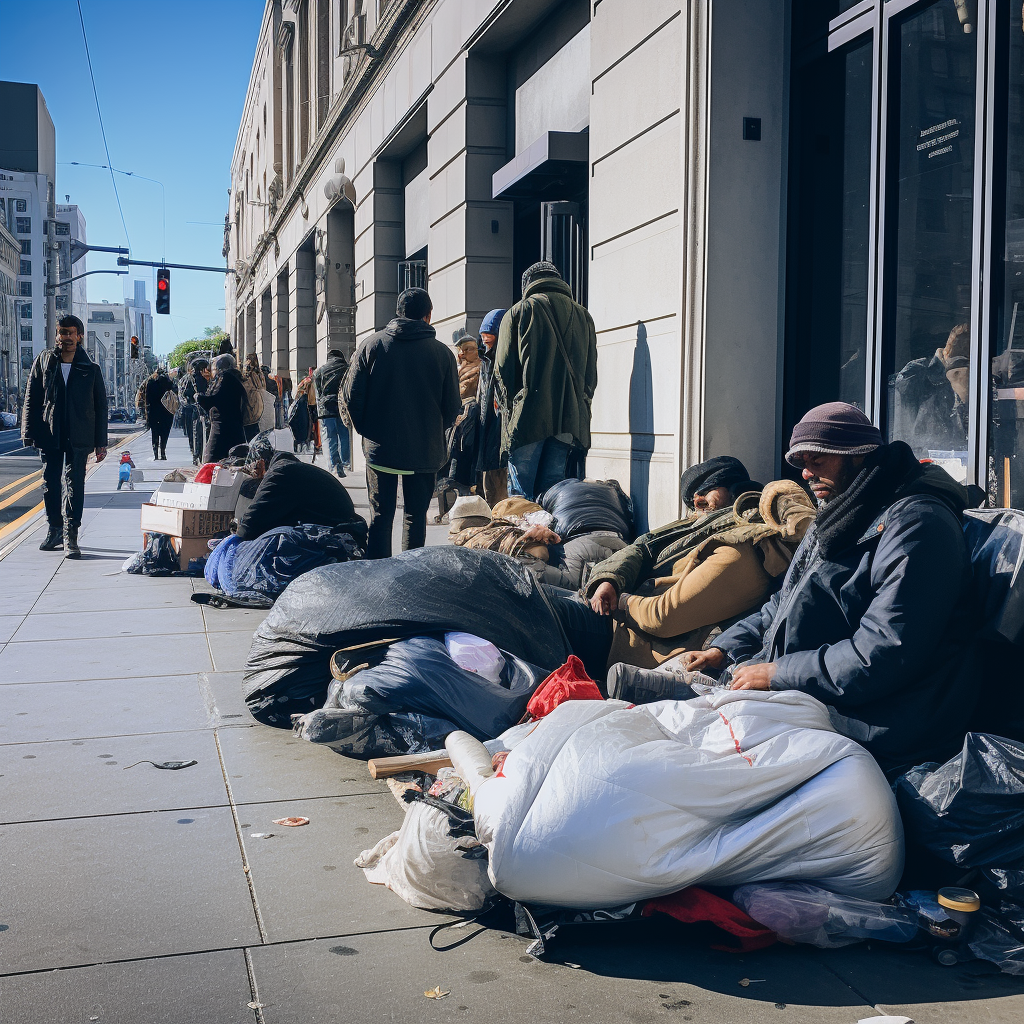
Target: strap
(577,382)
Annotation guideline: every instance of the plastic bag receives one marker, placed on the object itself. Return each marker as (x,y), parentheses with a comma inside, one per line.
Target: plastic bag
(969,811)
(429,590)
(806,913)
(475,655)
(157,559)
(999,938)
(426,866)
(358,734)
(583,506)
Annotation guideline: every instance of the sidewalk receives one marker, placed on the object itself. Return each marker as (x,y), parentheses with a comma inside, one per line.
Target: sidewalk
(140,897)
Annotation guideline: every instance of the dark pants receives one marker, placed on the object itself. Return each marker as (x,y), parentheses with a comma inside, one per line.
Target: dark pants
(64,485)
(189,413)
(533,468)
(589,634)
(198,439)
(161,430)
(382,494)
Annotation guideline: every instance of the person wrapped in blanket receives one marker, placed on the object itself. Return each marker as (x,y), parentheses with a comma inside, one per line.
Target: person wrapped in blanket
(522,529)
(671,589)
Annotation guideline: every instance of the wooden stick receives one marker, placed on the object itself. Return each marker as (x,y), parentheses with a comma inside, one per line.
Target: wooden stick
(430,761)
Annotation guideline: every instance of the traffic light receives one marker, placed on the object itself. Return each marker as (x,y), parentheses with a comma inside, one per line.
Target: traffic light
(135,347)
(163,290)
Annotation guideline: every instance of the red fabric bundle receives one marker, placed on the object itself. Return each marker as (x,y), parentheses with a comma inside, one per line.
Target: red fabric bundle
(569,682)
(694,906)
(205,474)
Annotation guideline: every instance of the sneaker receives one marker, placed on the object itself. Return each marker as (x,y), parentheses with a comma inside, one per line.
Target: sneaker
(644,685)
(71,542)
(54,539)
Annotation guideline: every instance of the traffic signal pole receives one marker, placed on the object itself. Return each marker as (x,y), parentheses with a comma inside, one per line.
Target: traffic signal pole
(123,261)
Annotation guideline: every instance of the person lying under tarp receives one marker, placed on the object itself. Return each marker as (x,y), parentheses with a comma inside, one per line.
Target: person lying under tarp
(666,592)
(290,492)
(875,617)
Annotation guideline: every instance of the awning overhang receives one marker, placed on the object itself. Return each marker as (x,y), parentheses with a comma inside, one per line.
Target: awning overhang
(553,167)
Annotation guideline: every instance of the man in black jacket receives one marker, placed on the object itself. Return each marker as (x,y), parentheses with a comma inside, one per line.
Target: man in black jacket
(874,618)
(402,393)
(290,492)
(327,381)
(65,417)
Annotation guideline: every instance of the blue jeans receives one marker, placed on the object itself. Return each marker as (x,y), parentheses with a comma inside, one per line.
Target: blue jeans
(533,468)
(339,442)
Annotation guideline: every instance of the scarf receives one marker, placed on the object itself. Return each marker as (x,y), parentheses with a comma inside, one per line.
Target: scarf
(886,472)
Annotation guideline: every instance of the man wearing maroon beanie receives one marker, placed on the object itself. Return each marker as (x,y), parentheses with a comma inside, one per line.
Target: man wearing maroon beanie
(874,617)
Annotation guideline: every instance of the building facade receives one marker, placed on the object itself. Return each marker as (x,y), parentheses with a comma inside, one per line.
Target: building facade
(10,259)
(107,341)
(764,204)
(69,226)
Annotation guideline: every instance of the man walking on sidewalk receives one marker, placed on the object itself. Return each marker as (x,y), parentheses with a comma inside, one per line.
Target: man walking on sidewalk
(65,417)
(327,381)
(402,393)
(546,369)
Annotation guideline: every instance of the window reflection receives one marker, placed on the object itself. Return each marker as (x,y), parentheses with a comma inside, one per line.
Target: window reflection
(928,305)
(1006,434)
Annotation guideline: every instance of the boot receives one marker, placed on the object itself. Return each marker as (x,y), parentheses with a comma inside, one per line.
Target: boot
(156,453)
(163,453)
(644,685)
(71,548)
(54,539)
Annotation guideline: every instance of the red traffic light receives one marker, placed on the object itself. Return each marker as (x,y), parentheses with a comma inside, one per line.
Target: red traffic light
(163,290)
(161,285)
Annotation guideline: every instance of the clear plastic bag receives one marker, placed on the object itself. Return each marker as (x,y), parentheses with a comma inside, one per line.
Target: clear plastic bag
(475,655)
(356,733)
(999,938)
(806,913)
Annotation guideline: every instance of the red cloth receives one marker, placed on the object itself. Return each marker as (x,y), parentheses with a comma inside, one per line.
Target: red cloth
(693,906)
(570,682)
(205,474)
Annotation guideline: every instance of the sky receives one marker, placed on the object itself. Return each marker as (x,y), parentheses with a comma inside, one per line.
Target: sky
(171,78)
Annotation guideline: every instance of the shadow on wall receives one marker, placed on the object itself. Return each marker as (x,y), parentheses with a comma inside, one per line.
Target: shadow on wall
(641,429)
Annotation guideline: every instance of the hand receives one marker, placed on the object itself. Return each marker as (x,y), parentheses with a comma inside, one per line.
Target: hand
(542,535)
(698,661)
(605,599)
(101,454)
(753,677)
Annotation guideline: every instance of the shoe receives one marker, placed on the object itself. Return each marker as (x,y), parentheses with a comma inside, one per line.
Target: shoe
(644,685)
(163,455)
(54,539)
(342,474)
(71,548)
(156,454)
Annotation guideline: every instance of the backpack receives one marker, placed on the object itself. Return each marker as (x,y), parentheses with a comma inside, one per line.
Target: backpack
(254,402)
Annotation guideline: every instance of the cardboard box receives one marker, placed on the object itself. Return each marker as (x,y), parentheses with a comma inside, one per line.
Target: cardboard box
(186,547)
(181,522)
(219,496)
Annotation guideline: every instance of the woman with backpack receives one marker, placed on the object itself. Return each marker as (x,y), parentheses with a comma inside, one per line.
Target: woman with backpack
(226,403)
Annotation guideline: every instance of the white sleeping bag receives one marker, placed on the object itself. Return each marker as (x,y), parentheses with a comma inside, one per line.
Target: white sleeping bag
(604,804)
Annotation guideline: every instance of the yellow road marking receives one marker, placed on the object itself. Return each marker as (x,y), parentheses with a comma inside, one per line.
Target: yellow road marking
(27,489)
(12,526)
(7,487)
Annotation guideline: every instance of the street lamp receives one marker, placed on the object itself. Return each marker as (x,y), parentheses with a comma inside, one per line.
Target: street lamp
(133,174)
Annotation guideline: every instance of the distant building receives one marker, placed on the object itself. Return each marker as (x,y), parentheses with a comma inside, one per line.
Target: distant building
(28,172)
(70,226)
(106,333)
(10,258)
(139,317)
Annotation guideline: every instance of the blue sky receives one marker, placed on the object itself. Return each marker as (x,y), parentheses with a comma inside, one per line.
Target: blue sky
(171,78)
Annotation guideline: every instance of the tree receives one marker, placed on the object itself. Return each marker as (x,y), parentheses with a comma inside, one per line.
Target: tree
(211,340)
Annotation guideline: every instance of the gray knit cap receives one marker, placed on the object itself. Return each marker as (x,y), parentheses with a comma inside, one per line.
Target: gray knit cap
(542,269)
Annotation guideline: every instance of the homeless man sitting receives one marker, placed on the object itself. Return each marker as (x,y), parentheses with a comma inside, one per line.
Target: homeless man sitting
(874,615)
(671,587)
(291,492)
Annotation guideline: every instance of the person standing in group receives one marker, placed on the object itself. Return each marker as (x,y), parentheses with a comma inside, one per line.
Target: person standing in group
(159,417)
(402,394)
(327,381)
(255,384)
(490,465)
(225,401)
(546,369)
(192,385)
(65,418)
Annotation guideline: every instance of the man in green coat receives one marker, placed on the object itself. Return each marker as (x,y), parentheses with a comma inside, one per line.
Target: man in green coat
(546,375)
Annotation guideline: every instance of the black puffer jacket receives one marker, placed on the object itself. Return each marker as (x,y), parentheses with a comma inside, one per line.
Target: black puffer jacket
(43,423)
(225,402)
(155,391)
(402,393)
(880,630)
(328,380)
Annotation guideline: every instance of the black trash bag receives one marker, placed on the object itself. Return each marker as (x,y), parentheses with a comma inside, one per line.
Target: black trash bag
(358,734)
(969,812)
(158,558)
(419,676)
(583,506)
(995,539)
(429,590)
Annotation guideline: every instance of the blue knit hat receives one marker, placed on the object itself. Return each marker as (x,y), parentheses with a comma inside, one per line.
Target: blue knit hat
(492,321)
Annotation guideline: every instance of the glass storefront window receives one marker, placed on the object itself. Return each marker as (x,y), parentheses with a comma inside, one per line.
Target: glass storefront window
(828,307)
(1006,429)
(931,201)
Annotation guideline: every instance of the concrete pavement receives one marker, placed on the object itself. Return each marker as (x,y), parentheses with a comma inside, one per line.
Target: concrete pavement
(140,895)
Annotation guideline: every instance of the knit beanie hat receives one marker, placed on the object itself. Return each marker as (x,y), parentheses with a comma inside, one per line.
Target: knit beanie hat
(492,321)
(723,471)
(835,428)
(541,269)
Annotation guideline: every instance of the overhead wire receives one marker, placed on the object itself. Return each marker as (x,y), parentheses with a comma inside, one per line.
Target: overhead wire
(99,115)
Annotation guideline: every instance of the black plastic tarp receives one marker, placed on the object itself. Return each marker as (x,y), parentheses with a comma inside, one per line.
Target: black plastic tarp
(583,506)
(994,539)
(427,591)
